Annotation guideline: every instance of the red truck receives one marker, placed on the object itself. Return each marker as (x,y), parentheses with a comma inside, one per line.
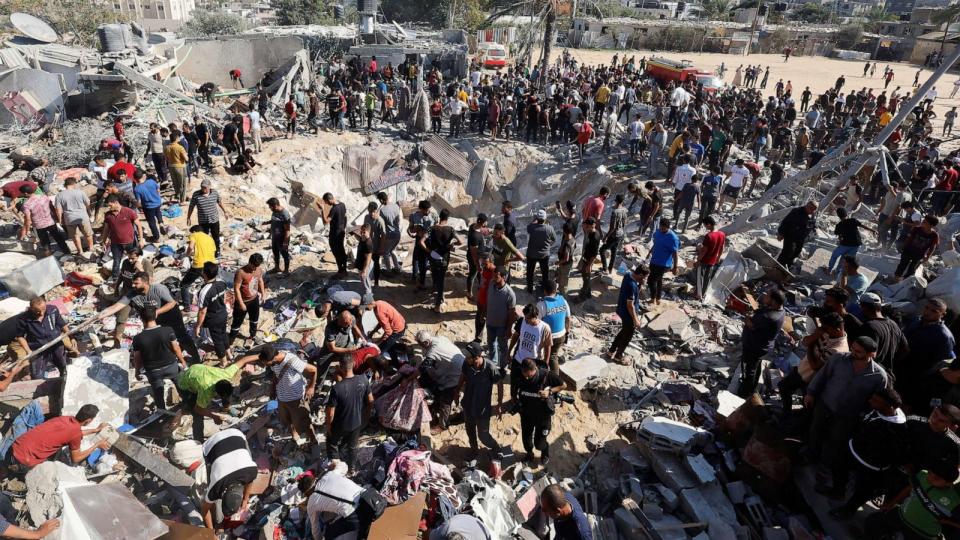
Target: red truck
(664,71)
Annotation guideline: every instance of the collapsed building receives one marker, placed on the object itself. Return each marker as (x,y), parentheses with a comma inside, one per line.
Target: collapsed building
(660,449)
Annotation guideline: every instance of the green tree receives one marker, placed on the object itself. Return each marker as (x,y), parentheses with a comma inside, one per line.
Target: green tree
(717,10)
(76,19)
(946,17)
(299,12)
(811,13)
(213,23)
(849,36)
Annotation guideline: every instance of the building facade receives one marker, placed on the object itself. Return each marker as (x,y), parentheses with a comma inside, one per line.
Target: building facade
(156,15)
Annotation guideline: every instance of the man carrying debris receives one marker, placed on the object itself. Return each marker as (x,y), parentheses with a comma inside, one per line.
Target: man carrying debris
(231,474)
(46,440)
(439,372)
(759,333)
(200,384)
(141,295)
(794,230)
(39,325)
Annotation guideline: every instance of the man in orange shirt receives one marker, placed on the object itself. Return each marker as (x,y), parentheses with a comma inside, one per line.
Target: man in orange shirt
(391,322)
(593,206)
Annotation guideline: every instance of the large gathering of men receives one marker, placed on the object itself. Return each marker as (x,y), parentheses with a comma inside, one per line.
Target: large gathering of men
(867,386)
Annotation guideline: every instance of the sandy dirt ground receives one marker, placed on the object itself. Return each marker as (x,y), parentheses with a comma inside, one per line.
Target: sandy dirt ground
(817,72)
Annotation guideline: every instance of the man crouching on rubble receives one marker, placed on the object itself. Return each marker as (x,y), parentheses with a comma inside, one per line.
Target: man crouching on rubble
(200,383)
(44,441)
(231,475)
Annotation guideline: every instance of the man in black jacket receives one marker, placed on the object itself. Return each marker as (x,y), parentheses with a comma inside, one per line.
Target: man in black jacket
(794,230)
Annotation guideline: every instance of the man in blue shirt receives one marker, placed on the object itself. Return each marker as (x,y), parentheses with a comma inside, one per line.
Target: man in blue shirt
(147,192)
(628,312)
(569,520)
(555,311)
(663,257)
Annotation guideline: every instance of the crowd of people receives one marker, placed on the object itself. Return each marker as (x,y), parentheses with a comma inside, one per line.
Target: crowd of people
(863,367)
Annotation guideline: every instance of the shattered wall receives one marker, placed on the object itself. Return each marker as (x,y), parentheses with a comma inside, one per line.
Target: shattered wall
(41,91)
(212,59)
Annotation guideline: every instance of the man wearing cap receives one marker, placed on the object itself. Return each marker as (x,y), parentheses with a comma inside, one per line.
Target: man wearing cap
(473,393)
(206,201)
(439,372)
(838,394)
(541,238)
(892,346)
(231,472)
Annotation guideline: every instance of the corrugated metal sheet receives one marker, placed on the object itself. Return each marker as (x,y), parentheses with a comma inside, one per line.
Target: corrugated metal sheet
(359,166)
(448,157)
(12,58)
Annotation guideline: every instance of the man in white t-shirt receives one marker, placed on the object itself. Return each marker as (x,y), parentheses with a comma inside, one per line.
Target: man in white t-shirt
(731,190)
(334,505)
(255,130)
(636,135)
(533,339)
(294,391)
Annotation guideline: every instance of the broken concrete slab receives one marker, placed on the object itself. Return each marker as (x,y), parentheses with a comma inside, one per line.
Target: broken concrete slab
(701,468)
(671,470)
(668,497)
(100,380)
(771,267)
(670,321)
(43,488)
(811,267)
(33,279)
(695,505)
(582,369)
(107,510)
(157,465)
(477,182)
(727,402)
(666,434)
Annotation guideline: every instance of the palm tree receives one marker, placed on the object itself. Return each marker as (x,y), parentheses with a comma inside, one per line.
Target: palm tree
(543,12)
(946,17)
(717,9)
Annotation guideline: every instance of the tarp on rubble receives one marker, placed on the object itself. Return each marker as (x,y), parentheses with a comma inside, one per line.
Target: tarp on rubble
(733,271)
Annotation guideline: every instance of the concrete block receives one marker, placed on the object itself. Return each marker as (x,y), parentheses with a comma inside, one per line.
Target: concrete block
(810,266)
(628,525)
(695,505)
(670,469)
(775,533)
(668,497)
(701,468)
(727,402)
(11,261)
(736,491)
(669,322)
(579,371)
(34,278)
(477,182)
(720,503)
(632,458)
(103,381)
(664,433)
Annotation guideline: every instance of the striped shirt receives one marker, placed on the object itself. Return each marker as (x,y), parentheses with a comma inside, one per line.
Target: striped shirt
(291,384)
(206,206)
(228,461)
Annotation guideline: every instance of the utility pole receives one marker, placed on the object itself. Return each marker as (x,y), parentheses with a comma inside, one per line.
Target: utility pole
(753,28)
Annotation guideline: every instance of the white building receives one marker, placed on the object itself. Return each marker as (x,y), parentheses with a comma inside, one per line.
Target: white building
(156,15)
(657,9)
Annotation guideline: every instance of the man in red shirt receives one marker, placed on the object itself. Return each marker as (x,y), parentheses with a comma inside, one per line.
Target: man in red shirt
(11,190)
(42,442)
(391,322)
(290,109)
(113,173)
(121,229)
(709,253)
(593,206)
